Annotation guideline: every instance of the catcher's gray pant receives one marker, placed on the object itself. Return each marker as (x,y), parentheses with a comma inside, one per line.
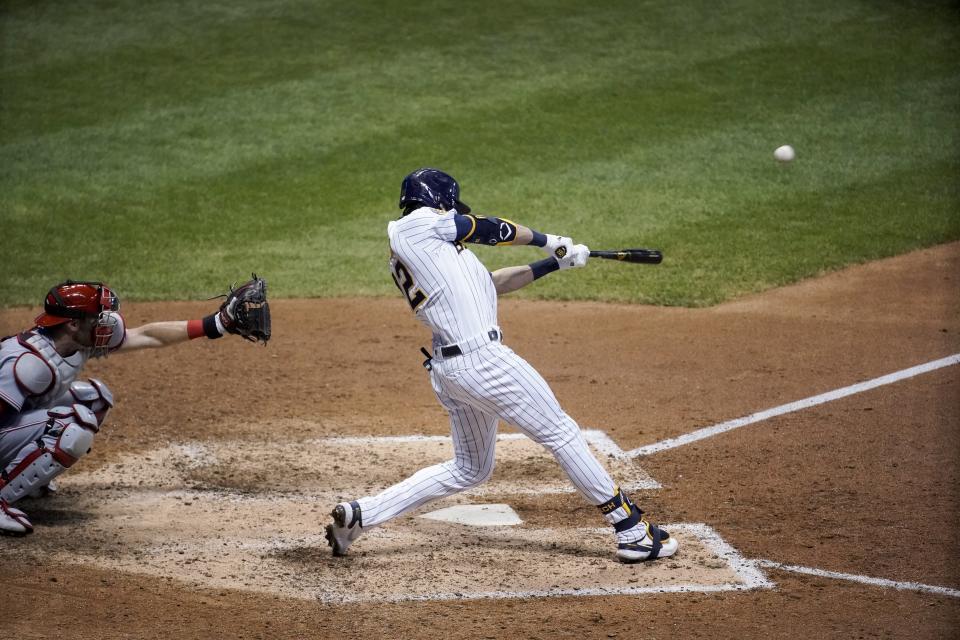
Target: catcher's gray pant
(20,432)
(478,389)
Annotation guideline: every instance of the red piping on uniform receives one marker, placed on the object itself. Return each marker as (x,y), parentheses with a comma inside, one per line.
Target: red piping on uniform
(26,462)
(63,457)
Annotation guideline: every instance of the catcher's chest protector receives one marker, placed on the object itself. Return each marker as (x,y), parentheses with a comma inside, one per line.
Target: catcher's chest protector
(33,374)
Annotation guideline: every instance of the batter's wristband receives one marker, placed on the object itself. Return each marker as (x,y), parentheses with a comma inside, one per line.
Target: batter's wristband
(539,239)
(543,267)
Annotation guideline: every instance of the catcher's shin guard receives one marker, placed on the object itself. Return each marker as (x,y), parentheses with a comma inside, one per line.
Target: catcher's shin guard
(67,438)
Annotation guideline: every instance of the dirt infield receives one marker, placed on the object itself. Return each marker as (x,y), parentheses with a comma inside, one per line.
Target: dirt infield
(199,513)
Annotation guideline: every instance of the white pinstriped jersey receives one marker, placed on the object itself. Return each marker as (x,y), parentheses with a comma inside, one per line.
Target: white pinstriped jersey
(483,383)
(448,288)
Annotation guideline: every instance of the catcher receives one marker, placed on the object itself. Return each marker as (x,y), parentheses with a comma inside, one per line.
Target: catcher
(48,418)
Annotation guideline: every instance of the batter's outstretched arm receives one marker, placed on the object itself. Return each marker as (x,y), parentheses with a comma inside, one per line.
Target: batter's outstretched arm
(512,278)
(526,235)
(493,231)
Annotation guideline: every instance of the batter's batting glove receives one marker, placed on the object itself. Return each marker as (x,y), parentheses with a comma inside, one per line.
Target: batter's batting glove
(577,257)
(557,246)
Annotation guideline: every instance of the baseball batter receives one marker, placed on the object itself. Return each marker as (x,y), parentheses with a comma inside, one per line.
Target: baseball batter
(476,377)
(49,418)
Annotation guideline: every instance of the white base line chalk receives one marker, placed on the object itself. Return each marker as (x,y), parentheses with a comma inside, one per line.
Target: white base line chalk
(829,396)
(878,582)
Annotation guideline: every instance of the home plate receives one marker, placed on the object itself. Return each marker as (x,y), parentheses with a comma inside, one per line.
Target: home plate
(477,515)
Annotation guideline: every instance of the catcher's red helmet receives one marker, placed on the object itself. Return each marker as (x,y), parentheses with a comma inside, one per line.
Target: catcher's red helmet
(72,300)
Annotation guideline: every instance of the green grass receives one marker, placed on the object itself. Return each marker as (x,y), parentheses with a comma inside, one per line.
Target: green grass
(173,147)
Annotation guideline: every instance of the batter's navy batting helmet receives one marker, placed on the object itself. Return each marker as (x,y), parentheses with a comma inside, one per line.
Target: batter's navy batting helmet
(431,188)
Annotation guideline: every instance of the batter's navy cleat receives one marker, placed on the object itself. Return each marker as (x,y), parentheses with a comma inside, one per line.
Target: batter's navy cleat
(655,543)
(13,522)
(347,527)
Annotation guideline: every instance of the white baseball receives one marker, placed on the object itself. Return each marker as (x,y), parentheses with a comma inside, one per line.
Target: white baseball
(784,153)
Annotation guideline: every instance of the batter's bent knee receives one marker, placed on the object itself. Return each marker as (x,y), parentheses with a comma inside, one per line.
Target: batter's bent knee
(561,434)
(483,475)
(470,476)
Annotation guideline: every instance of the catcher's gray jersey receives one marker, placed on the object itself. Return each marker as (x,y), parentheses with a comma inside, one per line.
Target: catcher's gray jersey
(33,375)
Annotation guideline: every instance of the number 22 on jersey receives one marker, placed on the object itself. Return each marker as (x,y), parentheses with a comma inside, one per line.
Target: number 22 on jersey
(405,282)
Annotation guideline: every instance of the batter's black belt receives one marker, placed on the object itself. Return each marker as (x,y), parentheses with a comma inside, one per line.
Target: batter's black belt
(466,346)
(452,350)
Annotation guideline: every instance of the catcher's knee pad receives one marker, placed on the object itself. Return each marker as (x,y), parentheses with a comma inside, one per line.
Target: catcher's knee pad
(94,395)
(68,437)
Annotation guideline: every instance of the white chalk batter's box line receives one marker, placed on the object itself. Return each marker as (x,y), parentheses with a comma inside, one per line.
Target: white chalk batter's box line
(806,403)
(876,582)
(836,394)
(751,578)
(749,575)
(747,569)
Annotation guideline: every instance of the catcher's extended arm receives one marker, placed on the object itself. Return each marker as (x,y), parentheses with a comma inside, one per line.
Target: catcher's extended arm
(246,312)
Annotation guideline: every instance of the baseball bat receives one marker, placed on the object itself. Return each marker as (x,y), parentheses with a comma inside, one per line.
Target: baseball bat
(642,256)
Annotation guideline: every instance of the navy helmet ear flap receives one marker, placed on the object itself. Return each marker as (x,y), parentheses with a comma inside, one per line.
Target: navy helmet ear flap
(431,188)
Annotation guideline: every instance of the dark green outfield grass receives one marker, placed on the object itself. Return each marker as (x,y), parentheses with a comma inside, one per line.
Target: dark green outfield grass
(173,147)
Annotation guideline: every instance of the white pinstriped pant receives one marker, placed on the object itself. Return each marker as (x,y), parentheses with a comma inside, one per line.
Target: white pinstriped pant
(478,389)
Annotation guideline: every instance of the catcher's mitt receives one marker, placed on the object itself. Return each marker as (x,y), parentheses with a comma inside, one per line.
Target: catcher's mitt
(246,311)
